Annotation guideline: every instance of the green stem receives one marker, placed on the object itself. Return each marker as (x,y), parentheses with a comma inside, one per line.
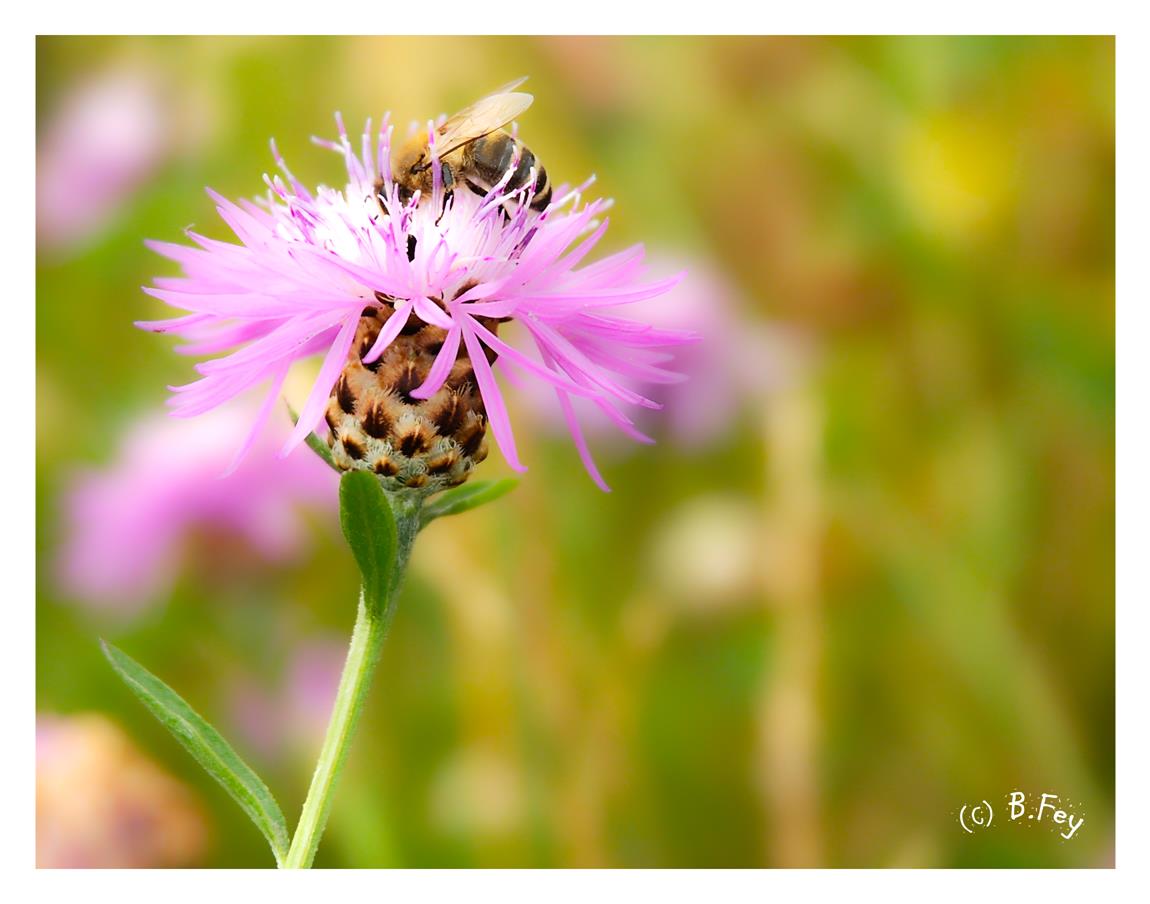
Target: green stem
(354,684)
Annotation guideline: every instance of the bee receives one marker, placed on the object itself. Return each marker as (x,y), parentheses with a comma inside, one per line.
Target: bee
(475,152)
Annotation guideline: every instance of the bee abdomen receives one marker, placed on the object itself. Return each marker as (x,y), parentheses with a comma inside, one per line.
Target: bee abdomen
(541,193)
(522,174)
(491,157)
(542,190)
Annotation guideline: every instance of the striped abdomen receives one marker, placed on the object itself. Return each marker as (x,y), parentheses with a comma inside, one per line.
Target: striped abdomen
(487,159)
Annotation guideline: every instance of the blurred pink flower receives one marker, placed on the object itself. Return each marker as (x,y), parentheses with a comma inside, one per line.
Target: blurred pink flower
(735,364)
(293,717)
(312,680)
(105,137)
(101,803)
(129,525)
(307,266)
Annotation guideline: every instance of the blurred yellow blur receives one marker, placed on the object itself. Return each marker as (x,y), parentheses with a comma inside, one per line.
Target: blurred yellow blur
(100,803)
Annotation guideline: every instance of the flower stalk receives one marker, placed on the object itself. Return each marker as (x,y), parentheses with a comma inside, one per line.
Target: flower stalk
(372,620)
(380,526)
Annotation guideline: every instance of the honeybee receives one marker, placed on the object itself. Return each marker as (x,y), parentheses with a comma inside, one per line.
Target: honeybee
(474,151)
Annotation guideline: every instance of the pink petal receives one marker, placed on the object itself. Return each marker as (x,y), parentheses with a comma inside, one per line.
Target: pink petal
(492,398)
(317,400)
(577,434)
(260,419)
(396,322)
(551,376)
(441,369)
(433,314)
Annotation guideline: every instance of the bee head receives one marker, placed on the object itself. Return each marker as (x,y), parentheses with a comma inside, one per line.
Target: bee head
(412,160)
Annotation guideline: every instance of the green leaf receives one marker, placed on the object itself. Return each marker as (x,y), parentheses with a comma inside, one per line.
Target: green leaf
(206,746)
(369,526)
(317,445)
(468,496)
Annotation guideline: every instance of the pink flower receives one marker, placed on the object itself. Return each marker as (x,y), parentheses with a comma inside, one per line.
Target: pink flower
(129,526)
(106,137)
(307,265)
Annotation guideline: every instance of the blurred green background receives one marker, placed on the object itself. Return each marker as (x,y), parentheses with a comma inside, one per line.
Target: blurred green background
(881,588)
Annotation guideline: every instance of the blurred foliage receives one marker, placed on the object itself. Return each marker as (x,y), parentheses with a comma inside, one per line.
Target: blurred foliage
(925,616)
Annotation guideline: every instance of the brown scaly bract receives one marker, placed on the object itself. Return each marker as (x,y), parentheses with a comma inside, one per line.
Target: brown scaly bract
(377,426)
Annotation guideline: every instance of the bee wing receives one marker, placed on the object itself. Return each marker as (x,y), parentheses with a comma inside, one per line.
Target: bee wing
(509,87)
(481,118)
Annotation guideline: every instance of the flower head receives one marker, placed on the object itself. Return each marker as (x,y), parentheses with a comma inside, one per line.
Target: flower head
(405,301)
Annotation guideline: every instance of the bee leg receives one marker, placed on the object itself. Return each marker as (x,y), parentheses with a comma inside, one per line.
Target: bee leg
(448,196)
(447,174)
